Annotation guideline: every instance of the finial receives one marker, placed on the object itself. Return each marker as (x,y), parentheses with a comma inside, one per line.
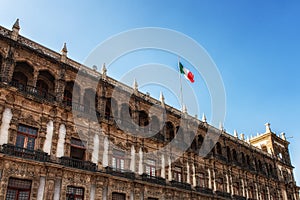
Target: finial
(221,127)
(64,49)
(235,134)
(162,98)
(283,136)
(268,129)
(203,118)
(242,136)
(184,109)
(135,85)
(15,30)
(103,70)
(64,52)
(16,25)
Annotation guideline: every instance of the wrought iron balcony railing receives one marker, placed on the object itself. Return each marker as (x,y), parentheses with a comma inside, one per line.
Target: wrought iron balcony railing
(79,164)
(238,197)
(223,194)
(153,179)
(182,185)
(221,157)
(204,190)
(37,155)
(30,90)
(120,173)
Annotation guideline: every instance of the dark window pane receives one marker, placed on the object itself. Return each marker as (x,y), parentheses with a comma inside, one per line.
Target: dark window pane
(20,141)
(30,143)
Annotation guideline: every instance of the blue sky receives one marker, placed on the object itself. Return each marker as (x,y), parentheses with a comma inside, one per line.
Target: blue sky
(255,45)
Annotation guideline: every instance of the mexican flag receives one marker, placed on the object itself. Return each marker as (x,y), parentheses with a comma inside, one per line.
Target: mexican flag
(187,73)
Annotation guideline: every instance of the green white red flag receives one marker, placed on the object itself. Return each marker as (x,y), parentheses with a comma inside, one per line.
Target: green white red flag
(187,73)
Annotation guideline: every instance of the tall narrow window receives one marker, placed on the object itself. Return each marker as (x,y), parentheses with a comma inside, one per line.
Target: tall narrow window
(18,189)
(118,161)
(150,167)
(75,193)
(26,137)
(77,149)
(178,174)
(202,180)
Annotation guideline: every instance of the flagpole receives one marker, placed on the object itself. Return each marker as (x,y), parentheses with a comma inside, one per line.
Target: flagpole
(181,94)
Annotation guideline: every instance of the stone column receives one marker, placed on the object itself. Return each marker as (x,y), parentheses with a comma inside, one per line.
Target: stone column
(14,126)
(35,77)
(8,65)
(40,195)
(57,190)
(6,118)
(60,84)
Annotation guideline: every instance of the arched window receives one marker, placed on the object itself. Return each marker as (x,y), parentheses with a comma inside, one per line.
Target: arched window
(45,81)
(125,113)
(194,146)
(72,92)
(169,131)
(248,160)
(143,118)
(260,166)
(180,134)
(89,101)
(45,85)
(155,128)
(228,154)
(234,155)
(111,108)
(154,124)
(243,158)
(219,148)
(23,74)
(200,141)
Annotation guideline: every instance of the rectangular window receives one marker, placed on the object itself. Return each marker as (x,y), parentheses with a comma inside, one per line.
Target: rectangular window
(118,196)
(77,149)
(150,167)
(18,189)
(118,162)
(202,180)
(178,174)
(75,193)
(26,137)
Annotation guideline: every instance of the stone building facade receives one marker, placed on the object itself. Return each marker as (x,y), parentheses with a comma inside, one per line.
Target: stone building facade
(45,156)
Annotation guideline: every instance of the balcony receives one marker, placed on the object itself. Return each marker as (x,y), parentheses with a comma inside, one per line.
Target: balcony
(33,91)
(204,190)
(120,173)
(153,179)
(223,194)
(159,137)
(181,185)
(237,197)
(221,158)
(79,164)
(37,155)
